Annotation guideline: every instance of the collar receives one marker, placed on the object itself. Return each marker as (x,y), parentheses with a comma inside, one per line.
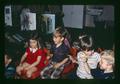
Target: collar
(33,50)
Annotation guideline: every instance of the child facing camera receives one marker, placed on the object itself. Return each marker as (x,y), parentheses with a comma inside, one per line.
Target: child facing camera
(33,58)
(58,58)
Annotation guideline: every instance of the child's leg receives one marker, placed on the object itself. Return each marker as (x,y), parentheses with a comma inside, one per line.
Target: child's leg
(31,71)
(20,68)
(57,72)
(24,65)
(45,73)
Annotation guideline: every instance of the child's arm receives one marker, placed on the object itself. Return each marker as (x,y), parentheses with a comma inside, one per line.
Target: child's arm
(8,62)
(61,63)
(34,64)
(73,59)
(82,57)
(87,68)
(23,58)
(49,56)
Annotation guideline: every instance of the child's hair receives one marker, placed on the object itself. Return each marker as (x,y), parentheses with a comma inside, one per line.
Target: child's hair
(108,55)
(61,31)
(86,42)
(8,54)
(35,36)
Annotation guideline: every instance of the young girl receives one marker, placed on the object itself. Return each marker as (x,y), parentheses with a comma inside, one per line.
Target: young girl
(33,58)
(86,52)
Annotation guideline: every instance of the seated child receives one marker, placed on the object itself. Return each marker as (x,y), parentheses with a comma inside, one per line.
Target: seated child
(67,37)
(106,65)
(9,68)
(86,52)
(33,59)
(59,56)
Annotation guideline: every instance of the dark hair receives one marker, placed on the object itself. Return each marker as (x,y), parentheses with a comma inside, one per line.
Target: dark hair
(35,36)
(8,56)
(86,42)
(9,53)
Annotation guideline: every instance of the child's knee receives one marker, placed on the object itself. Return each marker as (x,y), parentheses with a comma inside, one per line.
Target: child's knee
(29,74)
(18,68)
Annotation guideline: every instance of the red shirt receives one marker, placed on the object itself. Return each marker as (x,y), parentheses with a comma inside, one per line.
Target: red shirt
(32,57)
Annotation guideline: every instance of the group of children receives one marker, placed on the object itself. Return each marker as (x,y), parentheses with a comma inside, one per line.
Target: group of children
(91,64)
(34,57)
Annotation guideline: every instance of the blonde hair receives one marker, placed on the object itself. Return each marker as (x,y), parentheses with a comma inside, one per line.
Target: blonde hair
(108,55)
(61,31)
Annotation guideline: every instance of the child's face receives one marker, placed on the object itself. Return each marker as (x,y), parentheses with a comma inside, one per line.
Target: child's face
(33,43)
(103,64)
(57,38)
(89,53)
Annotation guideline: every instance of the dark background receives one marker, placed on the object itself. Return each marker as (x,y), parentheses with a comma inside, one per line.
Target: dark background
(24,2)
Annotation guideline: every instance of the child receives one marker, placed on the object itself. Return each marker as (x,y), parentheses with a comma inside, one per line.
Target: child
(59,57)
(67,37)
(34,57)
(86,52)
(106,65)
(9,68)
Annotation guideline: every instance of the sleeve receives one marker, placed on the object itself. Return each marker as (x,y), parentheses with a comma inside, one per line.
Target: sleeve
(97,55)
(95,73)
(40,53)
(27,50)
(67,52)
(52,49)
(79,55)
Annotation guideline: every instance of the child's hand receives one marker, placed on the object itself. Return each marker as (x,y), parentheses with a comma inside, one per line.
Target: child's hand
(20,64)
(57,65)
(84,59)
(48,57)
(72,59)
(27,68)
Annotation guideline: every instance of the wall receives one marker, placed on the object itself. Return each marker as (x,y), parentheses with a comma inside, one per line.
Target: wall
(108,15)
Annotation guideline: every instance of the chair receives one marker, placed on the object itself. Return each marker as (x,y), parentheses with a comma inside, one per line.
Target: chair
(71,66)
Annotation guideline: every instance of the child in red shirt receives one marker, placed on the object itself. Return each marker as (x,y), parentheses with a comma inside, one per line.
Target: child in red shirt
(33,59)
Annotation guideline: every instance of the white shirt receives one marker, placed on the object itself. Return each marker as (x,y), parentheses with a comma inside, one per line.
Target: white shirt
(33,50)
(92,62)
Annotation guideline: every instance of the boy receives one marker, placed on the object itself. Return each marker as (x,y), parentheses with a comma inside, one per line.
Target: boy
(106,64)
(59,58)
